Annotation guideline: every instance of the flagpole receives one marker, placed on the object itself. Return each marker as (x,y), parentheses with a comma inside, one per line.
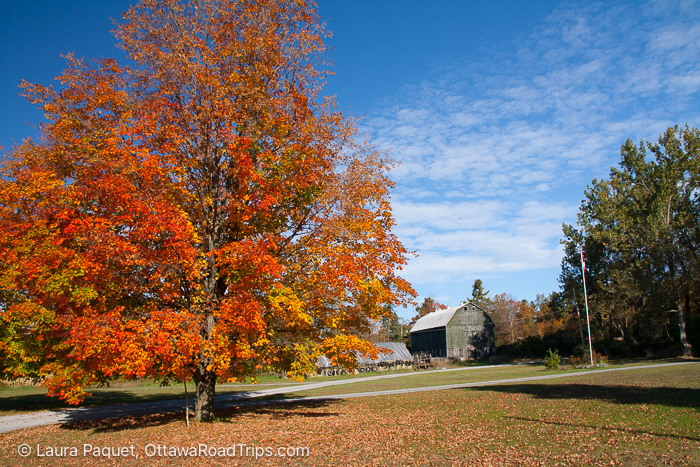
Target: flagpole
(580,326)
(585,297)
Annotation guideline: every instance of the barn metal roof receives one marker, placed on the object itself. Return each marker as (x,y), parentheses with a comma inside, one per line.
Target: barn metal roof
(436,319)
(400,353)
(323,362)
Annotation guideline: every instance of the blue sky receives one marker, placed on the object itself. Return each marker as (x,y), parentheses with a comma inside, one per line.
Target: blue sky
(500,112)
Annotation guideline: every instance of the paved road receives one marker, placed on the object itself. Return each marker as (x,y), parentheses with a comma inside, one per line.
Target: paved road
(17,422)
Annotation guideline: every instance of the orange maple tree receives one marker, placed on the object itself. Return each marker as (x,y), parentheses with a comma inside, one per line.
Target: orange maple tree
(201,214)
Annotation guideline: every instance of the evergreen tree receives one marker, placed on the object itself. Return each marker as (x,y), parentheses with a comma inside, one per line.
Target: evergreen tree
(478,294)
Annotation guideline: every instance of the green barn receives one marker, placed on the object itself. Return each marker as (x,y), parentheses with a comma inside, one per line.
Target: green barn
(465,331)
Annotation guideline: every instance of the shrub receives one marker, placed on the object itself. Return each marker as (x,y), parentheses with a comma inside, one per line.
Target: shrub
(598,359)
(552,359)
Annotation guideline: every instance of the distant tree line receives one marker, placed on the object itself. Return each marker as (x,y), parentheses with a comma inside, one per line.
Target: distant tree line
(516,320)
(640,234)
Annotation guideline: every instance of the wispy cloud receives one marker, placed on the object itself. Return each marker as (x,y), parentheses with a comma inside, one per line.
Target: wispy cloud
(496,154)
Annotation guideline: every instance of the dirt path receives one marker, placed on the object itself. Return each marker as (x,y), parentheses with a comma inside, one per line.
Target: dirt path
(18,422)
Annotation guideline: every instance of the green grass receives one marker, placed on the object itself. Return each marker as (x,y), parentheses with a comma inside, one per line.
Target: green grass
(22,399)
(430,379)
(454,377)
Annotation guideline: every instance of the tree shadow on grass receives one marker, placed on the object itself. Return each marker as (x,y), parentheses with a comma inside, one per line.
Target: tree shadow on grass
(103,425)
(35,399)
(622,395)
(229,413)
(607,428)
(668,396)
(277,410)
(39,402)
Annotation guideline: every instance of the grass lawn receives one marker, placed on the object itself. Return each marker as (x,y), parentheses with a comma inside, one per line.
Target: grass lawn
(431,379)
(458,377)
(639,417)
(24,399)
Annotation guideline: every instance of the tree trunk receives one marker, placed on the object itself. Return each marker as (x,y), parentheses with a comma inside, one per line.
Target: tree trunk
(204,398)
(580,328)
(687,348)
(512,333)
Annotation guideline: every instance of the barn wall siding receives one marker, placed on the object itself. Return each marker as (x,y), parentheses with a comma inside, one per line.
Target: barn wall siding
(431,342)
(470,327)
(468,334)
